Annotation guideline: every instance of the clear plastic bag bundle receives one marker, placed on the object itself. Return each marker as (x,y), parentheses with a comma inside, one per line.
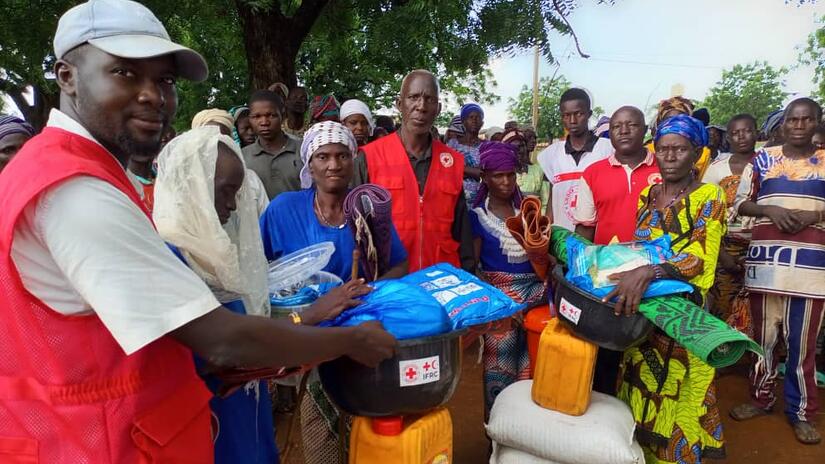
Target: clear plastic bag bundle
(466,299)
(590,266)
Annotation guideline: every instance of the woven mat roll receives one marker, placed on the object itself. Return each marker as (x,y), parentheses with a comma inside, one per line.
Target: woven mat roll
(368,210)
(531,228)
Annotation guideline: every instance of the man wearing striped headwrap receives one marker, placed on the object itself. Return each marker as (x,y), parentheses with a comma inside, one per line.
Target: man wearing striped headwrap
(14,132)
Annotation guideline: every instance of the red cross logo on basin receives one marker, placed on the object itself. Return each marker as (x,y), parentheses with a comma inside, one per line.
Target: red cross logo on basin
(411,373)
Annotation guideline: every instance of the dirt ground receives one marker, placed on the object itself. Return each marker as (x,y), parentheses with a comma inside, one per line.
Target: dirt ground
(763,440)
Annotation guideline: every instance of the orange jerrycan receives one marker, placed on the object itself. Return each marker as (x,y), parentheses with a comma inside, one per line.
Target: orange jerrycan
(564,370)
(426,439)
(534,323)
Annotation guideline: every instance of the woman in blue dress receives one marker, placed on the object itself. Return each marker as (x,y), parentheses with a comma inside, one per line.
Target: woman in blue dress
(504,264)
(296,220)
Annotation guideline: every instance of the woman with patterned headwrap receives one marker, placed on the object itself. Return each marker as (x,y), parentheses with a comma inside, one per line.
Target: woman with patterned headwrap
(455,129)
(675,106)
(324,108)
(472,119)
(14,132)
(242,131)
(296,220)
(503,263)
(772,128)
(670,391)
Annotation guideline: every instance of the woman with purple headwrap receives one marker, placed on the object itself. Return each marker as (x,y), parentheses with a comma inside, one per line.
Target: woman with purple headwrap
(503,263)
(14,132)
(472,119)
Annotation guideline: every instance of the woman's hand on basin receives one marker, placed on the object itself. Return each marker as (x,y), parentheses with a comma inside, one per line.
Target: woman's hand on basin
(630,287)
(335,302)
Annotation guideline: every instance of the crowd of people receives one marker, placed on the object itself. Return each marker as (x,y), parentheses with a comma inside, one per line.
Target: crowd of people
(135,258)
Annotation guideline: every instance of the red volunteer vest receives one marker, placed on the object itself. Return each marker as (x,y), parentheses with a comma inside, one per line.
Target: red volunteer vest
(68,392)
(424,224)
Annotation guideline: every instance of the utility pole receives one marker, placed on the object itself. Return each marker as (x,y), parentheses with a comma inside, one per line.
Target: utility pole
(535,117)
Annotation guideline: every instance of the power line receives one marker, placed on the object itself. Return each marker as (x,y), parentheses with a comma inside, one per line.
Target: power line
(648,63)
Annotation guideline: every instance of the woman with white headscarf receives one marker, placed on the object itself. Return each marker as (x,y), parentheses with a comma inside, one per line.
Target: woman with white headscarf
(296,220)
(357,117)
(225,122)
(205,211)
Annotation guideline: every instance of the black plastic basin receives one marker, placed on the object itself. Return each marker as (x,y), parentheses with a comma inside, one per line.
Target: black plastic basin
(377,392)
(595,321)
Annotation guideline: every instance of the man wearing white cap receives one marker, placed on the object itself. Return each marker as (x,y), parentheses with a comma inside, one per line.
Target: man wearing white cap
(89,291)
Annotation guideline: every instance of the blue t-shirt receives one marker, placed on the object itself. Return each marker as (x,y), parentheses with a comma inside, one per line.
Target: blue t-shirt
(500,252)
(289,224)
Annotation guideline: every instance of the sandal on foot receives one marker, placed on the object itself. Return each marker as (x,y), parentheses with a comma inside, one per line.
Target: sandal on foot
(747,411)
(806,433)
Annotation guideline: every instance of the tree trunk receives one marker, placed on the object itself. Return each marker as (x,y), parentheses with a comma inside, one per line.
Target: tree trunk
(272,40)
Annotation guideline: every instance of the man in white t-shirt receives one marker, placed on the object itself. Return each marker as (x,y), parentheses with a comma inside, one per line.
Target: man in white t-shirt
(100,319)
(564,162)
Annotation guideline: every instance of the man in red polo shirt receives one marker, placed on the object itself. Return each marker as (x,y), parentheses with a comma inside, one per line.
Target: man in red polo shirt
(608,199)
(609,189)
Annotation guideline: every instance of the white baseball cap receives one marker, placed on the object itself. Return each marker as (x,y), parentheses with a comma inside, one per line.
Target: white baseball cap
(125,29)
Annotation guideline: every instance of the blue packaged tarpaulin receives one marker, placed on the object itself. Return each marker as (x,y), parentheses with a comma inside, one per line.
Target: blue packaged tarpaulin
(466,299)
(432,301)
(590,265)
(404,309)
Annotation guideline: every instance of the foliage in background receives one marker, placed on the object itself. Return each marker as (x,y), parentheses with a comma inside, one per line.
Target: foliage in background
(755,88)
(813,54)
(550,90)
(352,48)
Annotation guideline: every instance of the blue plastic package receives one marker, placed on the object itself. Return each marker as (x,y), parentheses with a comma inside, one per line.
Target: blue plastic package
(404,309)
(589,265)
(467,300)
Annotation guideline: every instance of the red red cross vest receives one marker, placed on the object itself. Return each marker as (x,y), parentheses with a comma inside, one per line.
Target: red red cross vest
(68,392)
(424,223)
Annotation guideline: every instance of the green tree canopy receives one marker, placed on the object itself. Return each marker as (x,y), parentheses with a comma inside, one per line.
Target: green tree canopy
(814,54)
(351,48)
(755,88)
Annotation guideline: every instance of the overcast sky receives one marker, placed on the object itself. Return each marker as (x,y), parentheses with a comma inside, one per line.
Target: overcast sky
(640,49)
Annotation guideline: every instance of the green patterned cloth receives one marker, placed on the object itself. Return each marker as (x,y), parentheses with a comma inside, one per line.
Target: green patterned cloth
(706,336)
